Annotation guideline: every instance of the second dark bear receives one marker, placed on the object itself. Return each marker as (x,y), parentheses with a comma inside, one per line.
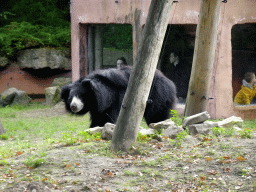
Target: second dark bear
(101,93)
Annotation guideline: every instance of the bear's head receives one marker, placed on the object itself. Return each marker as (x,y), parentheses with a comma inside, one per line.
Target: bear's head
(78,96)
(87,95)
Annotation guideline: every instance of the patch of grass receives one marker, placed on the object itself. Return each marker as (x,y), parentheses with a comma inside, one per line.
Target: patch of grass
(90,137)
(143,138)
(33,162)
(249,124)
(3,162)
(246,133)
(175,117)
(10,111)
(154,163)
(180,137)
(217,131)
(129,173)
(4,137)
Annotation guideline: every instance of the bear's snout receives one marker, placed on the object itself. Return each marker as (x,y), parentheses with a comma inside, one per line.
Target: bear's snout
(73,108)
(76,105)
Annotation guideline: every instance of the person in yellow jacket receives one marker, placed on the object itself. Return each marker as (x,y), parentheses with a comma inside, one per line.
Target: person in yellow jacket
(248,90)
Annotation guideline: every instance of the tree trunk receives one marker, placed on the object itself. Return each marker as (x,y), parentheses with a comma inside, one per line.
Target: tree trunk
(206,36)
(138,89)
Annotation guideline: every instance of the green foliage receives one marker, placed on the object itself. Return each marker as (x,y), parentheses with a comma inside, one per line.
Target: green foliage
(90,137)
(3,162)
(118,37)
(68,138)
(218,130)
(249,124)
(246,133)
(18,36)
(4,137)
(181,136)
(48,12)
(32,162)
(142,138)
(175,118)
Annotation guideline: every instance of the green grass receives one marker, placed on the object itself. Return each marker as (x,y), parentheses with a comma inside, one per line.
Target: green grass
(249,124)
(24,133)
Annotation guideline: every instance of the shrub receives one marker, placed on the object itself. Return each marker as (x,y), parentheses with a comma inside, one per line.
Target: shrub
(18,36)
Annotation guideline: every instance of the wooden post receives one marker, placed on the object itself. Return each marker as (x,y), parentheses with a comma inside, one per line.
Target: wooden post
(91,60)
(206,36)
(98,47)
(82,50)
(137,93)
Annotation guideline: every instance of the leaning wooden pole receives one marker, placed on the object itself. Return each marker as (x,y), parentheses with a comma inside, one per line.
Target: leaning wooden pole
(142,75)
(206,37)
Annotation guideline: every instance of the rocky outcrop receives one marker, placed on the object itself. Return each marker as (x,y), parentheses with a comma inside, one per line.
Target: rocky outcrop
(43,58)
(52,95)
(13,96)
(61,81)
(170,130)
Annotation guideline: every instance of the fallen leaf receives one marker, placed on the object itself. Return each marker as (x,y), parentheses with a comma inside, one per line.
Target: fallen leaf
(226,157)
(240,158)
(202,178)
(212,172)
(227,170)
(209,158)
(207,139)
(19,153)
(67,165)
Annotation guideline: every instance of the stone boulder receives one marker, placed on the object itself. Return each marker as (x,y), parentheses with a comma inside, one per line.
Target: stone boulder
(146,131)
(172,131)
(168,127)
(21,98)
(8,95)
(202,129)
(197,118)
(229,122)
(14,96)
(3,61)
(52,95)
(162,125)
(107,131)
(43,58)
(61,81)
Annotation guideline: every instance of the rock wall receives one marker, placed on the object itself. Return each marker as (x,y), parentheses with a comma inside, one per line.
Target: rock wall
(43,58)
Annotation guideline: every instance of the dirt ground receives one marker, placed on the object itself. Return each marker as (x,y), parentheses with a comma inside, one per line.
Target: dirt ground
(202,163)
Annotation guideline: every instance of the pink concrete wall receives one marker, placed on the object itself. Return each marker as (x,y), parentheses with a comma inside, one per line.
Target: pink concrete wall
(135,12)
(13,76)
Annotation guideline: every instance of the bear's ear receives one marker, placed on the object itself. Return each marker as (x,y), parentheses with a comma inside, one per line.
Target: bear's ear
(64,94)
(86,82)
(89,82)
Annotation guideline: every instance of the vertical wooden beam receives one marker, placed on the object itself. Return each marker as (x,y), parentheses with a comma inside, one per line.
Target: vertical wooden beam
(74,43)
(206,36)
(98,47)
(91,40)
(83,50)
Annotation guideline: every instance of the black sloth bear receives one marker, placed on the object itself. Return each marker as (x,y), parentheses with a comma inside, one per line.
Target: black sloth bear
(101,93)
